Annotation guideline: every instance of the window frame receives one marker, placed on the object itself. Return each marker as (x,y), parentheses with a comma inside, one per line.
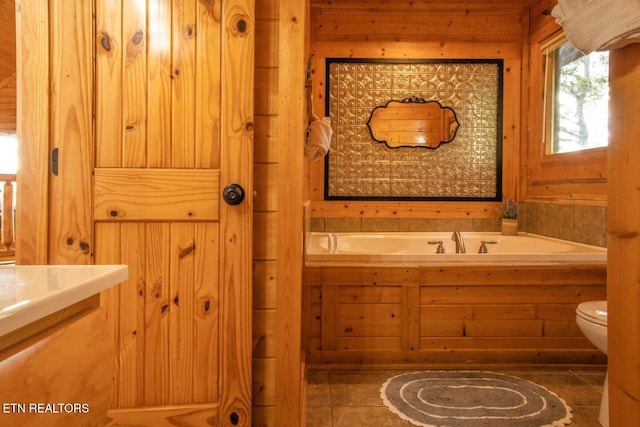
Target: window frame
(577,177)
(549,119)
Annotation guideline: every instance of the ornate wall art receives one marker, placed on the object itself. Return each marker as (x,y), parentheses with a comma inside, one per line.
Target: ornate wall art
(413,122)
(358,167)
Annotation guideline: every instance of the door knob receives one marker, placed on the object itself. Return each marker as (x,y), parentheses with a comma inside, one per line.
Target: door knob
(233,194)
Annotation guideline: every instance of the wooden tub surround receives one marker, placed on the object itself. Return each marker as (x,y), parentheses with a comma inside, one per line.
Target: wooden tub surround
(449,315)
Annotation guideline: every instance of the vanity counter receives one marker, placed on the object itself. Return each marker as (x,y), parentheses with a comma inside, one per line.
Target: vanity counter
(31,292)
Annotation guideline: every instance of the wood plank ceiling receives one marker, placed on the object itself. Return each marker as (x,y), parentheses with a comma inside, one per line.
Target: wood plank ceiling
(7,39)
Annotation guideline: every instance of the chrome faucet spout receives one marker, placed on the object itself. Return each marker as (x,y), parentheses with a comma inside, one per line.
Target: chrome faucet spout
(457,237)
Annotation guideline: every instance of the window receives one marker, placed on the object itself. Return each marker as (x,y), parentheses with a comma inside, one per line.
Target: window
(8,153)
(576,98)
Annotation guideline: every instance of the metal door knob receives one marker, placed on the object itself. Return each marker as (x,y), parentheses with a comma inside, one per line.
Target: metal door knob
(233,194)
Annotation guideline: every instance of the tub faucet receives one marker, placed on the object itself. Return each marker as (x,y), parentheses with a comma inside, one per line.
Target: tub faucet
(457,237)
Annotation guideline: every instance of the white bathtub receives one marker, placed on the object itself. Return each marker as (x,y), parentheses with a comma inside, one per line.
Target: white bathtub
(416,247)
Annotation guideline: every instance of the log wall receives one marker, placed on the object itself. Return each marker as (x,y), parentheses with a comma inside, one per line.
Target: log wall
(265,212)
(281,38)
(377,29)
(624,238)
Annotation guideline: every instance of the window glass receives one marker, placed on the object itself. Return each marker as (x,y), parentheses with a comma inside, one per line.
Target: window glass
(577,99)
(8,153)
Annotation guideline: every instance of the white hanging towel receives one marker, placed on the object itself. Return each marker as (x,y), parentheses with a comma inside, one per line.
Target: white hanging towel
(592,25)
(318,138)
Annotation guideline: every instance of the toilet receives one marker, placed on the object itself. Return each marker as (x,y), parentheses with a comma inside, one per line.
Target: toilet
(591,317)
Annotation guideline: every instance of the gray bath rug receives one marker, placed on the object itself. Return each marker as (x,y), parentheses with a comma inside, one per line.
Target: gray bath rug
(472,399)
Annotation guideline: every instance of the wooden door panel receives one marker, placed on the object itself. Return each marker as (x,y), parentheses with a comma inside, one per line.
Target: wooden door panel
(150,104)
(174,125)
(157,303)
(123,194)
(130,331)
(158,84)
(166,314)
(171,416)
(206,312)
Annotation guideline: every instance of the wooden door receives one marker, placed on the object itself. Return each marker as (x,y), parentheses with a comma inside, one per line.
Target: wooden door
(174,127)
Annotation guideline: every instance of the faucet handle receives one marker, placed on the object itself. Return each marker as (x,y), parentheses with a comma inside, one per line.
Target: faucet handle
(483,246)
(440,248)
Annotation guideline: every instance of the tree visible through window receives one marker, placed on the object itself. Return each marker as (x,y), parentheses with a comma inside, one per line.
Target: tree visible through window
(578,108)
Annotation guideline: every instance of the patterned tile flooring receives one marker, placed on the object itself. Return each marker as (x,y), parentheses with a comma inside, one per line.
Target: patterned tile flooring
(351,398)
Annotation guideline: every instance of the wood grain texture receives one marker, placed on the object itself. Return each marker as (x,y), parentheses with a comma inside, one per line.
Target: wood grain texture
(159,88)
(157,319)
(8,83)
(357,25)
(8,95)
(168,416)
(8,38)
(70,363)
(156,194)
(131,326)
(165,314)
(236,232)
(109,84)
(8,205)
(32,28)
(205,313)
(403,315)
(267,151)
(134,86)
(71,132)
(208,75)
(623,231)
(461,6)
(181,330)
(404,30)
(183,74)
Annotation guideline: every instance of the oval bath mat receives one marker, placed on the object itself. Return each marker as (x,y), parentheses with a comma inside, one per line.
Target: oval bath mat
(472,399)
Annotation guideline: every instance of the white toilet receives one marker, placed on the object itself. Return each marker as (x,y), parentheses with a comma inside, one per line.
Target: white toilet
(591,318)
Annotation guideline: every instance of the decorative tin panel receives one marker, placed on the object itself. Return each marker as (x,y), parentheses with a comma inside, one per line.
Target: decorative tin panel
(467,168)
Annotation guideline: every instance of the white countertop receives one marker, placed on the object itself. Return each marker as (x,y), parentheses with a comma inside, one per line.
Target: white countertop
(31,292)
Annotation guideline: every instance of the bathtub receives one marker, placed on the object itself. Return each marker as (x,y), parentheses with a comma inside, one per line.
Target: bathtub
(422,247)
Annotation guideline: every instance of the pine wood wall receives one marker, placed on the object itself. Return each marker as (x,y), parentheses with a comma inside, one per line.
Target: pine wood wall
(406,29)
(265,212)
(623,291)
(278,390)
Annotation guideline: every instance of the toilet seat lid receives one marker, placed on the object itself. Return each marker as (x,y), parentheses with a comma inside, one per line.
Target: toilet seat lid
(593,311)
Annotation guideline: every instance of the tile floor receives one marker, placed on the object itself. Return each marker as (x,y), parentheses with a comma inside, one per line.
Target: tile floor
(343,398)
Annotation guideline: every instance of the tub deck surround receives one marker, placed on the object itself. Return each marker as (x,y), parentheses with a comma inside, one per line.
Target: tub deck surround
(31,292)
(416,247)
(449,314)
